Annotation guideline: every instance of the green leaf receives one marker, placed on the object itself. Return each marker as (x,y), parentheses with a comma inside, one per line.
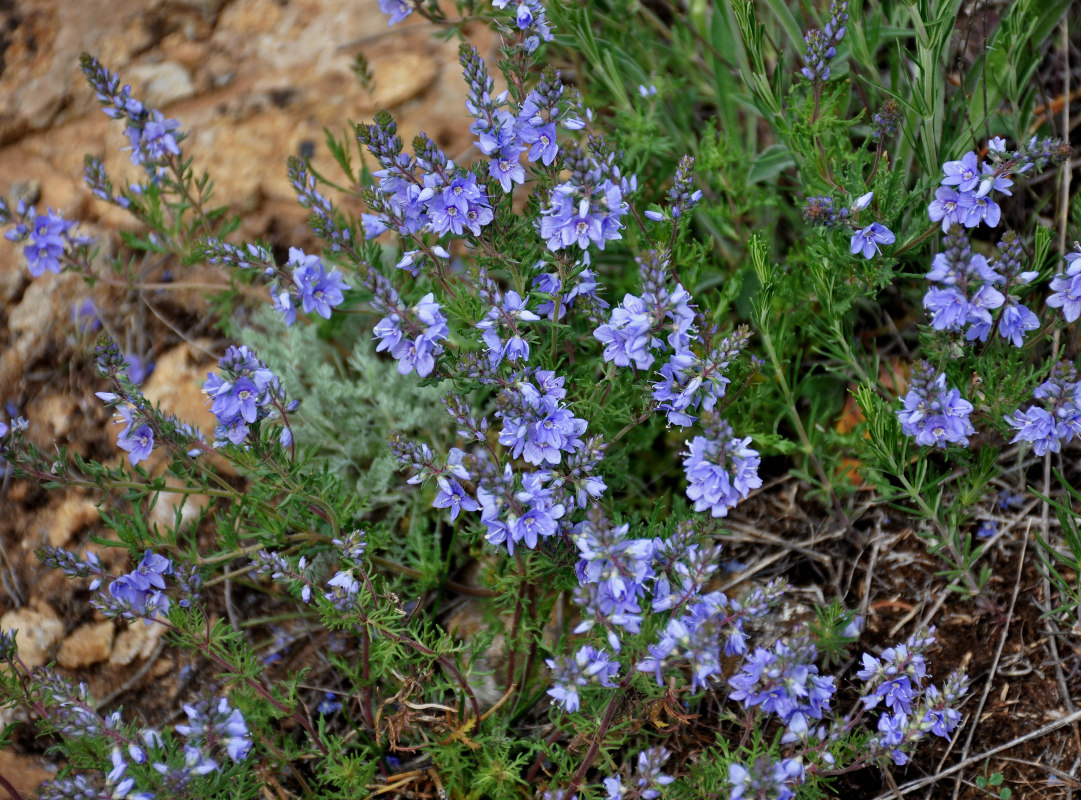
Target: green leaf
(771,162)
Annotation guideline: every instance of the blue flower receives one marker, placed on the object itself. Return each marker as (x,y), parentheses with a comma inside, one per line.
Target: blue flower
(569,674)
(318,291)
(139,443)
(933,414)
(1038,426)
(720,473)
(765,779)
(1016,319)
(866,240)
(964,174)
(948,307)
(397,9)
(453,496)
(945,207)
(576,219)
(1067,287)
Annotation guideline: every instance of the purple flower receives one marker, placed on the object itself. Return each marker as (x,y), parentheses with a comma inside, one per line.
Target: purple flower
(933,414)
(573,218)
(318,291)
(151,572)
(1038,426)
(568,675)
(720,472)
(948,307)
(217,723)
(453,496)
(138,443)
(867,240)
(541,141)
(628,334)
(245,393)
(1016,319)
(398,10)
(507,170)
(765,779)
(152,139)
(48,236)
(138,371)
(536,426)
(980,209)
(822,44)
(945,207)
(964,174)
(785,682)
(1067,289)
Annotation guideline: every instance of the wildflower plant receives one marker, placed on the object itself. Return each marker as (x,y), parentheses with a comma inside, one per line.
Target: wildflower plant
(592,359)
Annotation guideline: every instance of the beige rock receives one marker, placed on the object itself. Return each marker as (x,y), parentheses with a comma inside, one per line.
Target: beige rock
(88,644)
(137,641)
(161,84)
(177,384)
(164,512)
(70,517)
(402,77)
(25,772)
(57,412)
(38,633)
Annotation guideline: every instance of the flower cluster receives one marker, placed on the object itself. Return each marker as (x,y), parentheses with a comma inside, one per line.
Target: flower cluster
(586,212)
(721,469)
(784,681)
(695,637)
(149,133)
(144,426)
(705,628)
(537,426)
(968,290)
(691,383)
(650,778)
(822,44)
(896,680)
(530,22)
(504,133)
(1057,420)
(217,724)
(500,330)
(48,237)
(140,594)
(932,413)
(519,512)
(245,393)
(580,286)
(213,727)
(683,196)
(614,574)
(412,335)
(1066,287)
(569,674)
(885,121)
(423,192)
(765,778)
(313,288)
(303,281)
(966,194)
(821,210)
(633,330)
